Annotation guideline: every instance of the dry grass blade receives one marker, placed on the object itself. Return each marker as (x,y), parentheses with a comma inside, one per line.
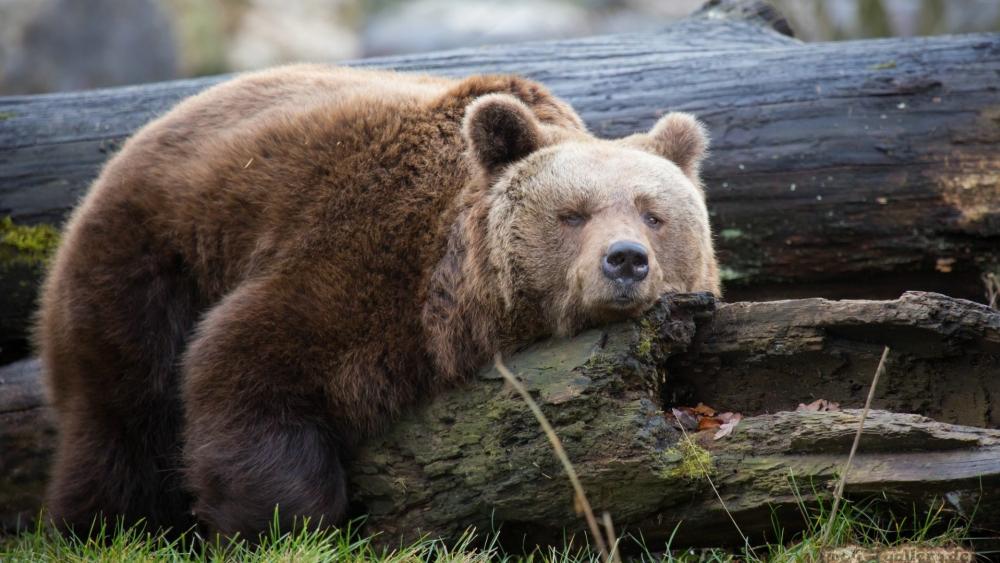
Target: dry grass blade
(708,477)
(581,497)
(839,491)
(609,528)
(992,283)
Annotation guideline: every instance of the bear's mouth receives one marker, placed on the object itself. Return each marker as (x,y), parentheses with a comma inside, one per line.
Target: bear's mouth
(624,299)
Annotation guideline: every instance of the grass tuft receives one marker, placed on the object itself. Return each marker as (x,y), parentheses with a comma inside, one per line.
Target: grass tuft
(873,523)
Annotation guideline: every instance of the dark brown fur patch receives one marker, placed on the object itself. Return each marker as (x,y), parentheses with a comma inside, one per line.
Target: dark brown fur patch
(268,274)
(501,130)
(240,298)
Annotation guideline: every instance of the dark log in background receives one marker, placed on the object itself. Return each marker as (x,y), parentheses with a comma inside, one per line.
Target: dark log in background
(476,457)
(849,169)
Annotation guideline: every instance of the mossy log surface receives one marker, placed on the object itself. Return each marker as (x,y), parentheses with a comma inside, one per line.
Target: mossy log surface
(844,169)
(476,457)
(24,253)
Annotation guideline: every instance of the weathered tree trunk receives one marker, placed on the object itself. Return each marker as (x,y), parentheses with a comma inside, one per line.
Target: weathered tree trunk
(832,162)
(27,438)
(476,457)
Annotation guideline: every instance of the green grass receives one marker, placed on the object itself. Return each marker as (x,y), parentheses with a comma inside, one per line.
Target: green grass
(869,524)
(46,545)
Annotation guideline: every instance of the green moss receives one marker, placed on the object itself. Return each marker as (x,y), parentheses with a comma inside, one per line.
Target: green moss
(26,244)
(688,461)
(644,346)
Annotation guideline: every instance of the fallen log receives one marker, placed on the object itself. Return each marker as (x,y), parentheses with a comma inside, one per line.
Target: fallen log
(476,457)
(830,160)
(772,356)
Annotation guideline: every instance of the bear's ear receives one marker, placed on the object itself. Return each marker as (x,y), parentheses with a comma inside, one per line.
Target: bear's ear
(679,138)
(500,129)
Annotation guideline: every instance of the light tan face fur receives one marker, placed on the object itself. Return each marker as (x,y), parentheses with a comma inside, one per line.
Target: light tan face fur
(556,214)
(562,208)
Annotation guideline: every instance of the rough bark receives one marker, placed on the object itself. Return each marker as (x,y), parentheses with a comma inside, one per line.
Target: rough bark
(475,456)
(27,438)
(832,162)
(772,356)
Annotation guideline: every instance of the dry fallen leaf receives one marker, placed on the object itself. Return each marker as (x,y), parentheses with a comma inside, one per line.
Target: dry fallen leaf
(707,422)
(704,417)
(727,416)
(819,405)
(727,427)
(704,410)
(686,419)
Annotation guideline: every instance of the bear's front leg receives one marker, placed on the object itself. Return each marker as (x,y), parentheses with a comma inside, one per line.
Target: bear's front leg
(259,436)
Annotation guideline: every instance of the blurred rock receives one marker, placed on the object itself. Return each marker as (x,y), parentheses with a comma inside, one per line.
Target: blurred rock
(668,11)
(426,25)
(826,20)
(625,16)
(55,45)
(272,32)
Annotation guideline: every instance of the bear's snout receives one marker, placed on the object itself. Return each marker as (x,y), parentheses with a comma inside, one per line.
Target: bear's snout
(626,263)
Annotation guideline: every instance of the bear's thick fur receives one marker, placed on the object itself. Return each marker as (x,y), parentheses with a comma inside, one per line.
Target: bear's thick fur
(270,272)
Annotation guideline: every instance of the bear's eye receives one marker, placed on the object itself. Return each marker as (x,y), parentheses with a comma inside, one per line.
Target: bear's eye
(572,219)
(652,221)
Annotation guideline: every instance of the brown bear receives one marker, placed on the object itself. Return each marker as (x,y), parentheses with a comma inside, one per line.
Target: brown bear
(270,272)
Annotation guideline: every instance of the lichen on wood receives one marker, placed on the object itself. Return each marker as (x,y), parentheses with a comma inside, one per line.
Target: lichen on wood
(24,253)
(30,245)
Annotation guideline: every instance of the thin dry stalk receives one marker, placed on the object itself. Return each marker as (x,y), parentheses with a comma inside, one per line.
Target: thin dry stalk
(581,497)
(708,477)
(609,529)
(839,491)
(992,283)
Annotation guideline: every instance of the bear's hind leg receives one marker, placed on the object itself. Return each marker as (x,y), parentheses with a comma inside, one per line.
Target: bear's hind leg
(109,472)
(281,464)
(258,436)
(113,320)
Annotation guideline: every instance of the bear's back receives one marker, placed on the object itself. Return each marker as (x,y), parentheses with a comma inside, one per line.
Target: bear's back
(346,179)
(301,163)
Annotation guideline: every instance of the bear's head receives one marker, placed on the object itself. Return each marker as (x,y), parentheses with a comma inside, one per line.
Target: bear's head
(583,230)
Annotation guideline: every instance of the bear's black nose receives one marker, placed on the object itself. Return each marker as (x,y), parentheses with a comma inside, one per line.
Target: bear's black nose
(626,262)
